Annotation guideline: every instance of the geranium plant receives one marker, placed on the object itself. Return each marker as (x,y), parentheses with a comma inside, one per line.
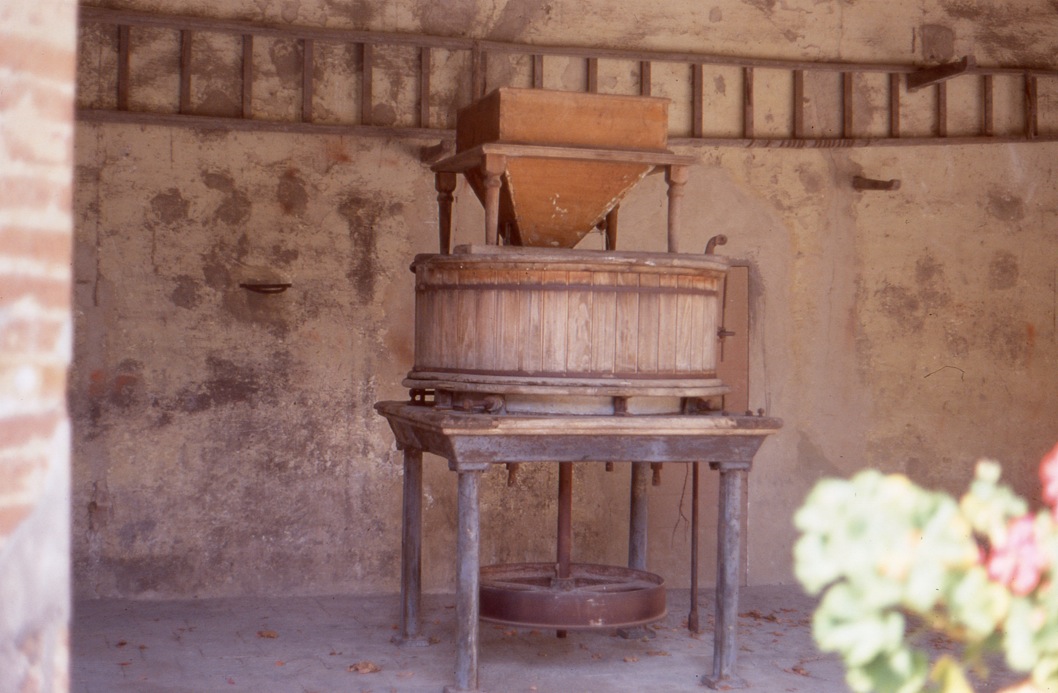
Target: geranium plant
(894,561)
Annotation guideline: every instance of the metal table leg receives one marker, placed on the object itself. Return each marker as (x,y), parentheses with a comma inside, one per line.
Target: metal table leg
(467,568)
(638,515)
(411,554)
(728,558)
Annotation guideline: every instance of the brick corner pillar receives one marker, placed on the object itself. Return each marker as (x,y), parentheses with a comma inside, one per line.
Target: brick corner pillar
(37,62)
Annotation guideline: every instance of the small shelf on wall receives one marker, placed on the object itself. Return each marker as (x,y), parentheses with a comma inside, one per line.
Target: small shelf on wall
(238,75)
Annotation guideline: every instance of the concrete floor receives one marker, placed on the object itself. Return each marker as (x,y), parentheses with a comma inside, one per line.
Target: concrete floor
(332,644)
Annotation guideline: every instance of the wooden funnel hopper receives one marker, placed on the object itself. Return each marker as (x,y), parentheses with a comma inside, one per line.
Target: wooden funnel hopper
(554,203)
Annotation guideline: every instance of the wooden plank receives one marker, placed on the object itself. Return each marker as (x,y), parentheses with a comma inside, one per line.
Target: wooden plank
(592,65)
(603,323)
(1031,106)
(513,313)
(626,337)
(644,78)
(424,311)
(894,105)
(667,324)
(472,158)
(649,319)
(846,105)
(123,67)
(366,78)
(747,102)
(697,100)
(306,80)
(424,86)
(579,324)
(987,106)
(942,109)
(554,323)
(446,318)
(685,328)
(733,365)
(487,314)
(532,356)
(185,71)
(247,75)
(538,71)
(798,104)
(99,115)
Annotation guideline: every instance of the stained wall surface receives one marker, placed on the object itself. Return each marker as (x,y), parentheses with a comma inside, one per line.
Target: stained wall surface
(225,441)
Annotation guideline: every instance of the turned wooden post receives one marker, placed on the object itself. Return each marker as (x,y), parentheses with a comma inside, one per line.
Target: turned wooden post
(493,168)
(445,182)
(676,177)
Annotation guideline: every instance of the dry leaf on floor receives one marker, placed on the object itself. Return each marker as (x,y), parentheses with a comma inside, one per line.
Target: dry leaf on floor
(658,653)
(364,667)
(267,634)
(631,658)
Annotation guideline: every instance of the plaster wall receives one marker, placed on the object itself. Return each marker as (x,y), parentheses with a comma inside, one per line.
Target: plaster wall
(225,441)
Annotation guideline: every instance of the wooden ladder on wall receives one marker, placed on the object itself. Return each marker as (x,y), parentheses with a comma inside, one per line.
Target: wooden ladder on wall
(820,104)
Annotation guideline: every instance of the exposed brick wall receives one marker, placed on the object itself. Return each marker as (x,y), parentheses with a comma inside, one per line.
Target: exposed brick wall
(37,48)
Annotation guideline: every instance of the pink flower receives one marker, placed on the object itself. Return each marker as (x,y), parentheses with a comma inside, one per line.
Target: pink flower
(1018,562)
(1049,478)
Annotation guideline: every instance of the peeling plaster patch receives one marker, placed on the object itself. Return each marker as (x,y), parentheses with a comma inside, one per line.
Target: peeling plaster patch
(218,102)
(963,9)
(135,576)
(235,209)
(1005,206)
(215,271)
(170,206)
(290,12)
(291,194)
(228,383)
(810,179)
(901,305)
(764,5)
(1003,270)
(286,57)
(517,16)
(933,289)
(360,12)
(716,15)
(1012,341)
(130,532)
(957,344)
(720,85)
(363,215)
(185,295)
(452,18)
(938,42)
(383,114)
(284,256)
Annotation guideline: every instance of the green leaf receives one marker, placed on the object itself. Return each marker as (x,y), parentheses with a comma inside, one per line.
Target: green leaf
(950,675)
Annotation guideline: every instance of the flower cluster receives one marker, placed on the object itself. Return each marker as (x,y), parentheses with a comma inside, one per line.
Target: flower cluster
(1017,558)
(981,570)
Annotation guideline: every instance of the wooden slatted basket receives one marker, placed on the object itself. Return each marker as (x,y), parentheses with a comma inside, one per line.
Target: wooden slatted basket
(535,321)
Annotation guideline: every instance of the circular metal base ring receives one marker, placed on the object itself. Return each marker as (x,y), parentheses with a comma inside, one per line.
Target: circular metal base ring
(594,596)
